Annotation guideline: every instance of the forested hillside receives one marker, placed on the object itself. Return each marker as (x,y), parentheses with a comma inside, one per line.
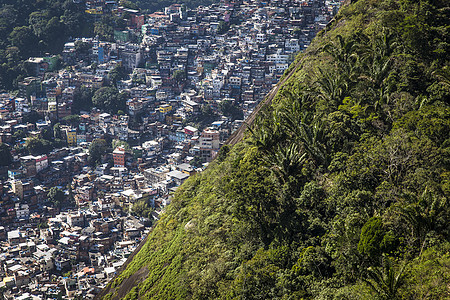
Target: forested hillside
(339,189)
(33,28)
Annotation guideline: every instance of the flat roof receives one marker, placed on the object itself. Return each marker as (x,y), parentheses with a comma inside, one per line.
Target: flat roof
(178,174)
(15,234)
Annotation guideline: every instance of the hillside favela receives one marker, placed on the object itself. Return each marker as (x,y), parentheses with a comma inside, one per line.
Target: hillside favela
(224,149)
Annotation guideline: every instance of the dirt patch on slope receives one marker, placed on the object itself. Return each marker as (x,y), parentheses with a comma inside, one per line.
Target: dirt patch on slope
(130,282)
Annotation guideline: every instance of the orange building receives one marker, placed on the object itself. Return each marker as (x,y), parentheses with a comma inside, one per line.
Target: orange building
(119,157)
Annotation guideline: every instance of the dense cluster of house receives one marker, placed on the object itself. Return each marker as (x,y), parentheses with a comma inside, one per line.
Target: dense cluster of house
(92,237)
(179,61)
(76,253)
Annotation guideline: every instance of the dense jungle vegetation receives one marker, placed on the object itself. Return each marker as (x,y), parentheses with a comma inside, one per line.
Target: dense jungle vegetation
(339,190)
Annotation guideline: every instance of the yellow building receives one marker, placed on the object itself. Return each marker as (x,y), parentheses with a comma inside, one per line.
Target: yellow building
(94,11)
(17,188)
(9,281)
(165,108)
(71,135)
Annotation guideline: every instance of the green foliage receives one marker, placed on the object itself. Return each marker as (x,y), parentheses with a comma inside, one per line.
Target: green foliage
(22,38)
(18,135)
(43,225)
(372,237)
(46,134)
(120,143)
(429,275)
(203,119)
(258,277)
(133,294)
(340,187)
(56,196)
(142,208)
(97,149)
(82,47)
(254,193)
(231,110)
(196,162)
(386,280)
(73,120)
(109,99)
(107,296)
(116,74)
(82,99)
(128,4)
(223,152)
(68,274)
(37,146)
(32,117)
(5,155)
(179,76)
(57,131)
(223,27)
(106,26)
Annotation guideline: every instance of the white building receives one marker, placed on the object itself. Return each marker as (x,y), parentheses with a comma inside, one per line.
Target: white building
(278,58)
(234,80)
(292,45)
(41,163)
(22,211)
(260,38)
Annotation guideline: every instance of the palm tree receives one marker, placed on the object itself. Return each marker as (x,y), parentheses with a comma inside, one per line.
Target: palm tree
(427,213)
(385,280)
(308,132)
(386,44)
(266,134)
(331,86)
(343,51)
(443,75)
(285,162)
(376,62)
(347,54)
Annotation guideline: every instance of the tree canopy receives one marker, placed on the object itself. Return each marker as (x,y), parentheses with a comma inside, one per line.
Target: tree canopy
(231,110)
(109,99)
(97,149)
(37,146)
(5,155)
(56,196)
(142,208)
(116,74)
(73,120)
(82,99)
(120,143)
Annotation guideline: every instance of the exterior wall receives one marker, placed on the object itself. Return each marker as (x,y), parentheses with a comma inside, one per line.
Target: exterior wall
(71,137)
